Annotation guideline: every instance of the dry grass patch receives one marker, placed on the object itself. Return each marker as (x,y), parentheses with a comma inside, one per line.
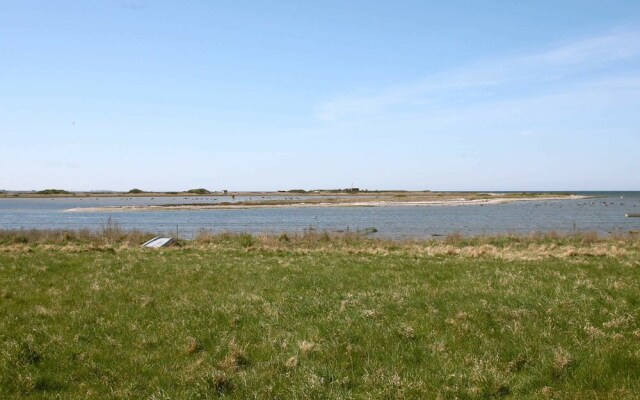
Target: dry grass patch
(509,247)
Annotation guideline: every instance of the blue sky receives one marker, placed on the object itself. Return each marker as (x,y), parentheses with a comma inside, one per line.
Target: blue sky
(242,95)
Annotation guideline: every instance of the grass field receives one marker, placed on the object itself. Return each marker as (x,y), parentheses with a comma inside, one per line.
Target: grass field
(87,315)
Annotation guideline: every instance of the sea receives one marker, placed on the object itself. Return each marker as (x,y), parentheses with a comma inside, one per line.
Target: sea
(601,212)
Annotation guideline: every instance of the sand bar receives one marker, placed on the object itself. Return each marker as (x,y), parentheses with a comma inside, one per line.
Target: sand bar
(336,202)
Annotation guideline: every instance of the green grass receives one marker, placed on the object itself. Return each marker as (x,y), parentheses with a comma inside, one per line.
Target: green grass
(318,316)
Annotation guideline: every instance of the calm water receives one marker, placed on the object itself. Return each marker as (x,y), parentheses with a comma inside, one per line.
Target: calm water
(604,214)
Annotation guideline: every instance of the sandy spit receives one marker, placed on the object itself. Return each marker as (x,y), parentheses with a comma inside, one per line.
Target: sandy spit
(394,203)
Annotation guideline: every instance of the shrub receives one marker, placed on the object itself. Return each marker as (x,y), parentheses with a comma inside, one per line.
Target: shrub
(247,240)
(198,191)
(53,191)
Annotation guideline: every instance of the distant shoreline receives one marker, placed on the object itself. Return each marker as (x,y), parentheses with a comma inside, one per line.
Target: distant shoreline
(56,194)
(356,201)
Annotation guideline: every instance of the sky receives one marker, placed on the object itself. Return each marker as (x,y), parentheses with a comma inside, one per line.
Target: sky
(248,95)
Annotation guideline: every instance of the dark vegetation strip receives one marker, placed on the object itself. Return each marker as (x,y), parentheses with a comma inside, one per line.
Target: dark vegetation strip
(113,234)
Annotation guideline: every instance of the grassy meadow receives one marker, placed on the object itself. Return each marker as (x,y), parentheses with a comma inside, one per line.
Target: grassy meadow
(93,316)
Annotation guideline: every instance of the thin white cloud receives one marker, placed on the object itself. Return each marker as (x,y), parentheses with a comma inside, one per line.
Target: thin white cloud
(563,64)
(597,50)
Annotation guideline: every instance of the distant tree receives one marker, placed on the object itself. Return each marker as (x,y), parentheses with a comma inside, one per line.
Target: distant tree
(136,190)
(198,191)
(53,191)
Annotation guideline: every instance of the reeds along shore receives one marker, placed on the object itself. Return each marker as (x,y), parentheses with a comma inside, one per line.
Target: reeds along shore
(534,245)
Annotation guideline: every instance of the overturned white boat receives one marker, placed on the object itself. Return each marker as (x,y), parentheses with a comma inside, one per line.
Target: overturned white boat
(158,242)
